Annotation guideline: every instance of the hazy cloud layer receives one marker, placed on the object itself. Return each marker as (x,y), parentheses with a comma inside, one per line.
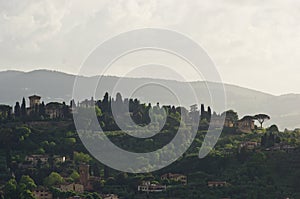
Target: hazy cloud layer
(255,43)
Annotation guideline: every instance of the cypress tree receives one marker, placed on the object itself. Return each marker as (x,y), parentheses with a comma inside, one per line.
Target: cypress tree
(17,110)
(23,108)
(208,114)
(42,111)
(202,112)
(105,103)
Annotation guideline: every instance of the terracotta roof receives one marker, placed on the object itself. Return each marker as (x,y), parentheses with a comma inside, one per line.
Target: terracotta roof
(170,175)
(216,182)
(34,96)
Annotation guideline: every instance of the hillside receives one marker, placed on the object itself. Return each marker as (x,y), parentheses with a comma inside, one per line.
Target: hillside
(56,86)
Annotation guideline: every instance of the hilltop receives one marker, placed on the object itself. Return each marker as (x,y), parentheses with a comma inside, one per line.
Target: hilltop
(57,86)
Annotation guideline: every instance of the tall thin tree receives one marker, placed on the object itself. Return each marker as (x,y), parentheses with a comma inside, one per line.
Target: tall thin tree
(17,110)
(23,108)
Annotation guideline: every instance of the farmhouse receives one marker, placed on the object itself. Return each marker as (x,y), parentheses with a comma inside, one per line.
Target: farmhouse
(246,124)
(175,177)
(42,193)
(148,187)
(217,183)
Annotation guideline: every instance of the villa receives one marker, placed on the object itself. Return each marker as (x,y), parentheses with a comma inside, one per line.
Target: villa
(175,177)
(217,183)
(148,187)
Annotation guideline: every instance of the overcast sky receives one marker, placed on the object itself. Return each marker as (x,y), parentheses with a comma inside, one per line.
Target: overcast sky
(254,43)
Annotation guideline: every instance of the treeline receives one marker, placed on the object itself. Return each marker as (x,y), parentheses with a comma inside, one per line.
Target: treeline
(109,109)
(139,112)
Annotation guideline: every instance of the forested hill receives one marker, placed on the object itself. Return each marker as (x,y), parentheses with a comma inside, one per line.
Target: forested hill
(56,86)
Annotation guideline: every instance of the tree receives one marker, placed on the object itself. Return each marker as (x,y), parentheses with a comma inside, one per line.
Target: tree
(22,132)
(23,108)
(72,103)
(42,109)
(10,189)
(22,190)
(69,141)
(80,157)
(119,98)
(27,183)
(261,118)
(53,179)
(122,178)
(202,109)
(105,103)
(17,110)
(98,111)
(231,115)
(26,194)
(75,175)
(7,138)
(66,111)
(273,128)
(194,108)
(5,112)
(208,113)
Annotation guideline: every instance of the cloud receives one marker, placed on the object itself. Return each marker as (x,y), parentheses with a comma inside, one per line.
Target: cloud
(257,36)
(29,24)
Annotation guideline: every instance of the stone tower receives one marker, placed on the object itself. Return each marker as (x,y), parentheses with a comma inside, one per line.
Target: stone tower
(34,100)
(84,170)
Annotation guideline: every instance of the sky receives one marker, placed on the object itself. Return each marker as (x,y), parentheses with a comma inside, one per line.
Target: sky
(253,43)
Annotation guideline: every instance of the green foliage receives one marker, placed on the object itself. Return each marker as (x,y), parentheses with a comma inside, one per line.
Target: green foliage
(70,141)
(26,194)
(98,111)
(231,115)
(26,182)
(22,132)
(10,189)
(75,175)
(53,179)
(80,157)
(273,128)
(251,173)
(21,190)
(261,118)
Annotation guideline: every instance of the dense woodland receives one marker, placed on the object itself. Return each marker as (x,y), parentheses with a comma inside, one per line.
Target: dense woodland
(271,169)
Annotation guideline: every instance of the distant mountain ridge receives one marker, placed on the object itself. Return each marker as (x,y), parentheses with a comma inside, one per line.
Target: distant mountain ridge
(57,86)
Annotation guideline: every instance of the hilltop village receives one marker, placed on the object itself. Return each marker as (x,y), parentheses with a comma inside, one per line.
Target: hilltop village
(38,111)
(42,156)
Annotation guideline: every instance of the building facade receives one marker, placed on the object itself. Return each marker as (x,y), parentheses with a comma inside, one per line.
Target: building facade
(78,188)
(175,177)
(42,193)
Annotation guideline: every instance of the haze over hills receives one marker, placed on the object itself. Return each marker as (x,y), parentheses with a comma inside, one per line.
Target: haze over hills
(57,86)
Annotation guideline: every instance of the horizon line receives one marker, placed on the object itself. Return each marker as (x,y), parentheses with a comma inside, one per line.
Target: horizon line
(132,77)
